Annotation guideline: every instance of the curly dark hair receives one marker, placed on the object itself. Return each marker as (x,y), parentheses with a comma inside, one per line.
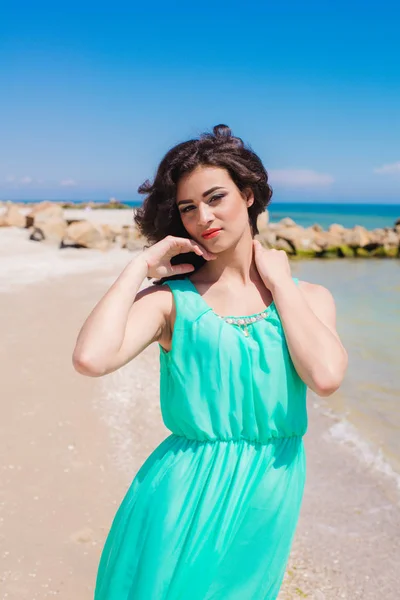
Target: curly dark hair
(159,215)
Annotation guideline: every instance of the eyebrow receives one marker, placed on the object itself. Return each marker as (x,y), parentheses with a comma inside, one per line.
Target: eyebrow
(204,194)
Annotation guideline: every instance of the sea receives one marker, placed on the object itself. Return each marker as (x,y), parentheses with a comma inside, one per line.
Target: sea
(367,405)
(349,215)
(367,297)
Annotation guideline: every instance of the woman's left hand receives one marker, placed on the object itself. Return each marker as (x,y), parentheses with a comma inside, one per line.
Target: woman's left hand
(273,265)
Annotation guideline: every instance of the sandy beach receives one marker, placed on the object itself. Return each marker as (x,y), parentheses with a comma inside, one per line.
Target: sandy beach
(70,447)
(99,215)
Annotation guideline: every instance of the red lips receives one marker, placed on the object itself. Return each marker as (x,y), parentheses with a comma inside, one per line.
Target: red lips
(207,233)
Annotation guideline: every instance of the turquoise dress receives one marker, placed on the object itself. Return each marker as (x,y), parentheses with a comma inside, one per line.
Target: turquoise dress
(212,512)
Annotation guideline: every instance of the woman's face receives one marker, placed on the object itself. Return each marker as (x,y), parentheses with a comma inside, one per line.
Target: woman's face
(207,198)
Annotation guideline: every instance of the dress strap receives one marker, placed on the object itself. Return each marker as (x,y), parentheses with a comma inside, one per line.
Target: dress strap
(189,305)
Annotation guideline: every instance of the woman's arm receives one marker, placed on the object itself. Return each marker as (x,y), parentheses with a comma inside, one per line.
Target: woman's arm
(308,316)
(126,321)
(122,324)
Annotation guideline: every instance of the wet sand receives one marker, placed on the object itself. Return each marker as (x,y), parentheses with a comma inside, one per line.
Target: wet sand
(70,447)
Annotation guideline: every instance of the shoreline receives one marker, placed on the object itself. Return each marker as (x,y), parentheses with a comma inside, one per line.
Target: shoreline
(350,512)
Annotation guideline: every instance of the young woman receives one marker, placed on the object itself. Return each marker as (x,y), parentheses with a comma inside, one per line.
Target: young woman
(212,512)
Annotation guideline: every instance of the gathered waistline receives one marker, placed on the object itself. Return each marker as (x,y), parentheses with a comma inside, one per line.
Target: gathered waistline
(265,442)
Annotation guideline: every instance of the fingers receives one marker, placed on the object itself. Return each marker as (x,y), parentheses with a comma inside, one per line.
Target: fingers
(202,251)
(189,245)
(183,268)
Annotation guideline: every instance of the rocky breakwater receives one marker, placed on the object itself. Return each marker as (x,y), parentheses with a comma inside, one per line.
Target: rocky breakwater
(335,242)
(45,222)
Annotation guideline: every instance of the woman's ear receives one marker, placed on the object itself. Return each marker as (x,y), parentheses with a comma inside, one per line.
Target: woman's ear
(248,196)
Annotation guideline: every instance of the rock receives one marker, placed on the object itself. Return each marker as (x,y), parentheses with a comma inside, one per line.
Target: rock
(274,226)
(327,241)
(29,221)
(287,222)
(383,237)
(42,212)
(345,251)
(267,238)
(37,235)
(51,207)
(131,239)
(391,244)
(391,238)
(45,211)
(282,244)
(13,217)
(306,253)
(363,252)
(290,233)
(391,251)
(356,237)
(52,230)
(69,221)
(86,235)
(377,236)
(111,232)
(382,252)
(298,238)
(335,228)
(317,227)
(106,205)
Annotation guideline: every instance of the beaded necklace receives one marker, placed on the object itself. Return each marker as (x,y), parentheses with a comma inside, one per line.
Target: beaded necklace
(244,321)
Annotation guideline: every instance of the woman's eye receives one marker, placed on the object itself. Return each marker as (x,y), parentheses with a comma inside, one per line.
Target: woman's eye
(217,197)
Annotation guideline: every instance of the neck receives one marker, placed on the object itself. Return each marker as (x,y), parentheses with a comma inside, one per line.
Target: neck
(235,265)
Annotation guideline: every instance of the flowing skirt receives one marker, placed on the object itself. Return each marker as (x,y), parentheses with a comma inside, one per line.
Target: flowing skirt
(206,520)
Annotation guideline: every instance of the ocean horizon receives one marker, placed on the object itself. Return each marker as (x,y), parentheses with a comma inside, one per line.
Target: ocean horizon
(306,214)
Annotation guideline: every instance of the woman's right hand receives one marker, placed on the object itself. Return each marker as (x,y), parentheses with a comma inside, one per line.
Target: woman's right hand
(159,255)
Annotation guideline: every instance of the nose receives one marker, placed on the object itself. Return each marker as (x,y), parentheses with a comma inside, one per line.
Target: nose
(205,214)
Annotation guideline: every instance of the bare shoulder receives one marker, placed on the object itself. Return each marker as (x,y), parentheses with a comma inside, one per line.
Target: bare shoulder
(159,299)
(156,297)
(320,300)
(315,292)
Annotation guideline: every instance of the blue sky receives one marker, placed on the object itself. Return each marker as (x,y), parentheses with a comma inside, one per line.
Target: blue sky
(94,94)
